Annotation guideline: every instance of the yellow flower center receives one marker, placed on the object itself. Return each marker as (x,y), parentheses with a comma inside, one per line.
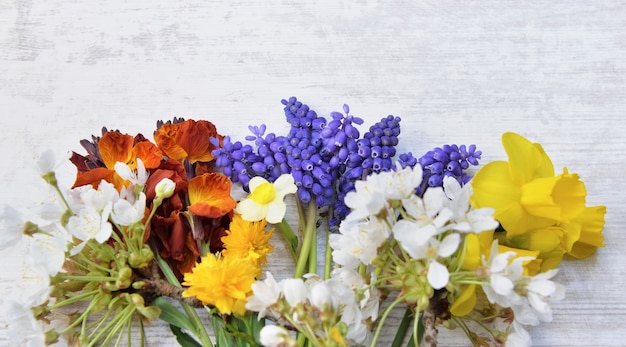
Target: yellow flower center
(263,194)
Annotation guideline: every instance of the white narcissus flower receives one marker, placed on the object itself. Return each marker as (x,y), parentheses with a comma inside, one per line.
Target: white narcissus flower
(30,285)
(49,249)
(502,274)
(265,294)
(402,183)
(89,224)
(124,213)
(438,274)
(431,210)
(538,292)
(466,219)
(358,242)
(99,198)
(276,336)
(294,290)
(368,198)
(137,177)
(22,329)
(516,333)
(321,296)
(46,162)
(12,226)
(266,200)
(413,235)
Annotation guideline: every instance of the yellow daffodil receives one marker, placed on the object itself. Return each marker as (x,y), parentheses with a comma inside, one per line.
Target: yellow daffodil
(538,210)
(266,199)
(248,240)
(585,232)
(223,282)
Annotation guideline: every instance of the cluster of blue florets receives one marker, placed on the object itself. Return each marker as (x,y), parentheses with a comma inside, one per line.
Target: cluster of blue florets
(374,154)
(449,160)
(326,157)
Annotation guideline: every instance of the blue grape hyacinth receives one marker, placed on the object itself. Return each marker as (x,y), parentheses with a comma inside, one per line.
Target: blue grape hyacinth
(448,160)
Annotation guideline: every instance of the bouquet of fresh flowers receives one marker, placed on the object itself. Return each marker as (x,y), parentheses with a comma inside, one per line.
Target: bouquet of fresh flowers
(151,230)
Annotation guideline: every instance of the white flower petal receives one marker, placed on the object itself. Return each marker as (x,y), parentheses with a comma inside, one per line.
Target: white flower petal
(438,275)
(276,211)
(256,181)
(449,245)
(284,185)
(12,226)
(501,284)
(294,290)
(274,336)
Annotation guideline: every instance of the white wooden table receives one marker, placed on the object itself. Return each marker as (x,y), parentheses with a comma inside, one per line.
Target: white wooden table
(456,72)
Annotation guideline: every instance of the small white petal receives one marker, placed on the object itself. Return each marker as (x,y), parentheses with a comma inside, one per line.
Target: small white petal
(449,245)
(274,336)
(294,290)
(438,275)
(501,284)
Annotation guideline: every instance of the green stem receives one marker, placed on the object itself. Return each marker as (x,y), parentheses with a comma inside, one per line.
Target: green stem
(382,319)
(309,234)
(328,258)
(290,237)
(89,278)
(72,300)
(60,193)
(119,317)
(200,332)
(313,250)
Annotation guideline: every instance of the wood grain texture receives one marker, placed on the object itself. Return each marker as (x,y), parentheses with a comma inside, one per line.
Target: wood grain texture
(456,72)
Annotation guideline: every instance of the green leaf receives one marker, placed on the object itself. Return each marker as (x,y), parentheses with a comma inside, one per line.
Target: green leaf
(183,338)
(403,328)
(224,340)
(171,315)
(420,332)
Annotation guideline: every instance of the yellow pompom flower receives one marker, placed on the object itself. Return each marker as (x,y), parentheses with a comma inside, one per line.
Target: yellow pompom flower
(223,282)
(248,240)
(538,210)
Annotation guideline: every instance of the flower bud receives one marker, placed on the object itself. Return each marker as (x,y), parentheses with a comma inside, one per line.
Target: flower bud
(164,189)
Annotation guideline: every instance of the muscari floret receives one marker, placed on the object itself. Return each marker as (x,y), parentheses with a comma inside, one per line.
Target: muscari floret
(448,160)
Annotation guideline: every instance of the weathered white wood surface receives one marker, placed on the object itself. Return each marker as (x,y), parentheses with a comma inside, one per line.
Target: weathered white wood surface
(455,71)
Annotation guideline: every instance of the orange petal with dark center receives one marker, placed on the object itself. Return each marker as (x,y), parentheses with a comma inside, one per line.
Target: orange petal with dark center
(149,153)
(115,146)
(166,138)
(209,195)
(94,177)
(195,140)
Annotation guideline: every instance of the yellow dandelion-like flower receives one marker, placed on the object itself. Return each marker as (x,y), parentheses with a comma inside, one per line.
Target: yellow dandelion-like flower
(248,240)
(223,282)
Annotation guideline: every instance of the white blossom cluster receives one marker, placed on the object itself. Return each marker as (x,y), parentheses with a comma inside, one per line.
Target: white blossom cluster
(345,298)
(92,213)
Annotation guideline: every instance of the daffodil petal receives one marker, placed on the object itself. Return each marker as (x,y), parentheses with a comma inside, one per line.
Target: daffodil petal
(466,302)
(527,160)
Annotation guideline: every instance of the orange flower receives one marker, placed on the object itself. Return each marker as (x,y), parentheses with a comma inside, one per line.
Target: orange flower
(209,195)
(187,140)
(116,147)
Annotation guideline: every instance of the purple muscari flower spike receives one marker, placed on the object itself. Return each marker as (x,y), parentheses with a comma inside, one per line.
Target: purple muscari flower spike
(407,160)
(372,153)
(448,160)
(241,162)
